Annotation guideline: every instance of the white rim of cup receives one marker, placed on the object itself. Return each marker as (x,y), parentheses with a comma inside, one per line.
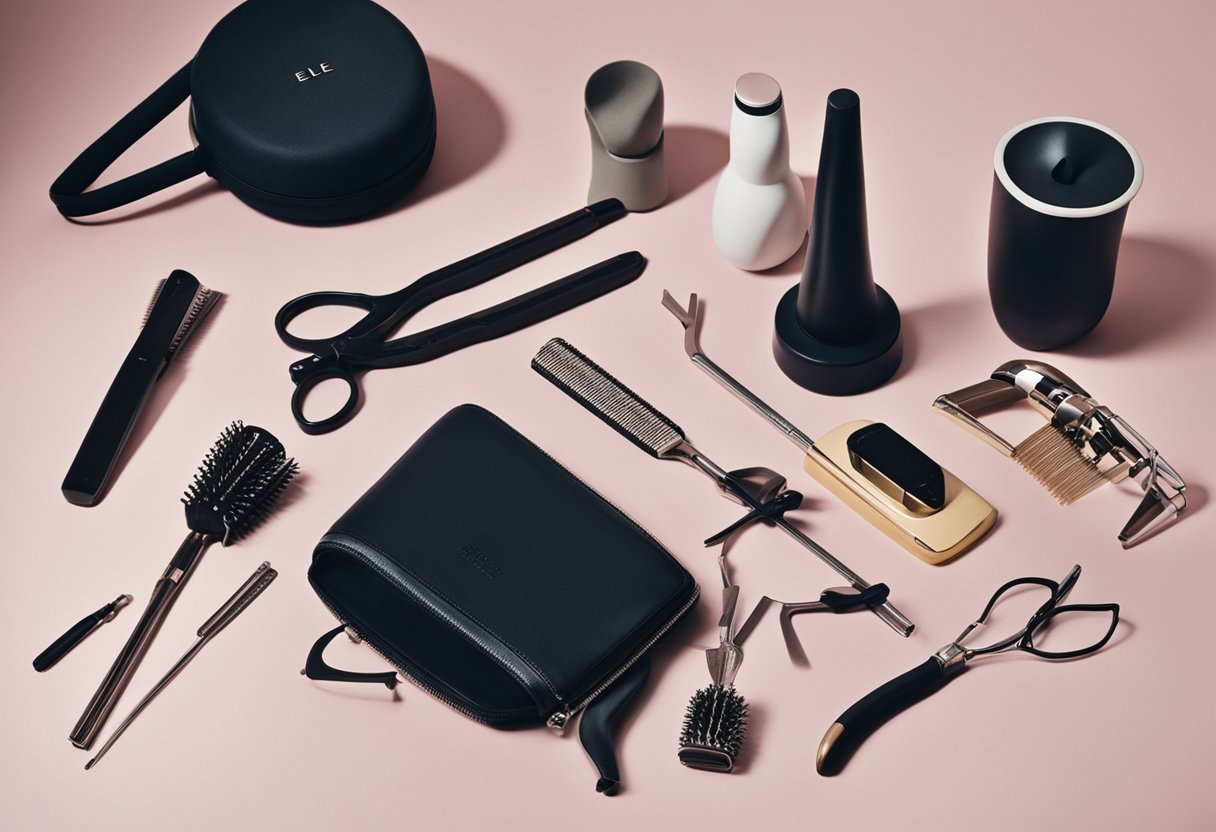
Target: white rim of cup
(998,163)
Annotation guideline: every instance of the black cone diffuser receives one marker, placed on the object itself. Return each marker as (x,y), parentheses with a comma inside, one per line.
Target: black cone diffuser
(836,331)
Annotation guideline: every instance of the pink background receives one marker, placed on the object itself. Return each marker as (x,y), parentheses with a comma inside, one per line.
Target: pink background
(1122,740)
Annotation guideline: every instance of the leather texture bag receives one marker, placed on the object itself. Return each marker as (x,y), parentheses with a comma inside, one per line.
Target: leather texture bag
(308,110)
(494,579)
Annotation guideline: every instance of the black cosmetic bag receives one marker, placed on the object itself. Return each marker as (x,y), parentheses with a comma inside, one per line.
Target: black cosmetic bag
(494,579)
(308,110)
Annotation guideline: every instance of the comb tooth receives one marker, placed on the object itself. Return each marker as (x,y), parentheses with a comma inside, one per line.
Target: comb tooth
(594,388)
(1058,465)
(204,300)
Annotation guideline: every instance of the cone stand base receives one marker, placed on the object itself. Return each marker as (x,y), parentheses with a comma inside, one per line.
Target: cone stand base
(838,369)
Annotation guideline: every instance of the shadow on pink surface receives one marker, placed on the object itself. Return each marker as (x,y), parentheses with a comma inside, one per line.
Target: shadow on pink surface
(1163,294)
(693,155)
(471,129)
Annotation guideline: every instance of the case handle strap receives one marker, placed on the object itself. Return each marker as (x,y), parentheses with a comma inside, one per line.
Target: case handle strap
(597,730)
(68,191)
(317,670)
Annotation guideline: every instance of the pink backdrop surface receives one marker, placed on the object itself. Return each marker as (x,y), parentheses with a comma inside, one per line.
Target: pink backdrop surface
(1122,740)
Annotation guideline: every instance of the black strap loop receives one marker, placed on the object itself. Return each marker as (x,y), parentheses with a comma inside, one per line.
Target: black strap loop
(68,191)
(317,670)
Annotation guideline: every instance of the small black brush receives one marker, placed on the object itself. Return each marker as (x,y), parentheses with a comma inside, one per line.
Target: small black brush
(715,725)
(237,484)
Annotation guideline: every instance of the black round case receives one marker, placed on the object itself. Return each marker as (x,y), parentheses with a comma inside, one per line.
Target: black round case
(308,110)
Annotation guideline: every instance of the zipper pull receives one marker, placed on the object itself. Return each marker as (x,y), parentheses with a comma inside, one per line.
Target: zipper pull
(560,719)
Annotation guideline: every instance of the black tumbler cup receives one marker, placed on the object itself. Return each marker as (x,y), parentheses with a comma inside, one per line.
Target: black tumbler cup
(1059,198)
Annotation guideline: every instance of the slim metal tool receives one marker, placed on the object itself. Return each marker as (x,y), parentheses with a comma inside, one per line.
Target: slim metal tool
(225,615)
(886,479)
(238,482)
(631,416)
(68,641)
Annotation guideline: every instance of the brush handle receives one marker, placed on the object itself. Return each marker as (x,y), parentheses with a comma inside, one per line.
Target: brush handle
(225,615)
(120,673)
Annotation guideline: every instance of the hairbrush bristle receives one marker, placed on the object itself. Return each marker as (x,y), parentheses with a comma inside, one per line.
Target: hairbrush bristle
(715,725)
(204,300)
(1058,464)
(237,483)
(160,286)
(595,389)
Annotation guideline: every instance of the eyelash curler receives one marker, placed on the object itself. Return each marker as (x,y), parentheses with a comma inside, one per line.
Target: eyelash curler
(857,723)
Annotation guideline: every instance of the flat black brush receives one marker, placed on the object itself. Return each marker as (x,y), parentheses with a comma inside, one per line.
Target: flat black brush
(239,480)
(179,304)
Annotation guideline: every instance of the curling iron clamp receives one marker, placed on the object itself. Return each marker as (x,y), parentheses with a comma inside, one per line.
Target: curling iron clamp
(1083,445)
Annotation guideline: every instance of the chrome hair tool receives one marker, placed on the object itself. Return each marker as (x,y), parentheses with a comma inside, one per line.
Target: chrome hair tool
(68,641)
(835,599)
(238,482)
(1083,445)
(178,306)
(886,479)
(224,616)
(622,409)
(863,718)
(367,345)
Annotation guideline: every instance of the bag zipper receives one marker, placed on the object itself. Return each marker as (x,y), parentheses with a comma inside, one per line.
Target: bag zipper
(410,677)
(374,561)
(559,719)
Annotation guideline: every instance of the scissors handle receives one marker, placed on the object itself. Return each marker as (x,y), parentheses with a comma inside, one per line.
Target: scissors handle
(346,359)
(386,312)
(315,300)
(311,372)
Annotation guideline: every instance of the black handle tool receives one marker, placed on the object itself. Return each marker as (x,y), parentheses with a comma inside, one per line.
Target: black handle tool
(66,642)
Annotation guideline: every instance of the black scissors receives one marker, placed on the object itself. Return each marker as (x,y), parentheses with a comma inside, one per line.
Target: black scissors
(366,345)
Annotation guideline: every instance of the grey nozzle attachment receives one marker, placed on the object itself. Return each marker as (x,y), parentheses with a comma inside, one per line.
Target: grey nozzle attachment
(624,107)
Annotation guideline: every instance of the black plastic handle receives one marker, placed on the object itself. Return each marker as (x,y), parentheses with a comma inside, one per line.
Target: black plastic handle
(315,667)
(857,723)
(68,190)
(316,371)
(597,728)
(347,358)
(64,644)
(372,304)
(386,312)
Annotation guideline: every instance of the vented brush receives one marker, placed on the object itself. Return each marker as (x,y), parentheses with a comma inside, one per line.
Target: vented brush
(715,723)
(238,482)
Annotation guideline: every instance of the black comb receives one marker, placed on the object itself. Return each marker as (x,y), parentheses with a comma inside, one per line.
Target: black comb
(237,484)
(179,304)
